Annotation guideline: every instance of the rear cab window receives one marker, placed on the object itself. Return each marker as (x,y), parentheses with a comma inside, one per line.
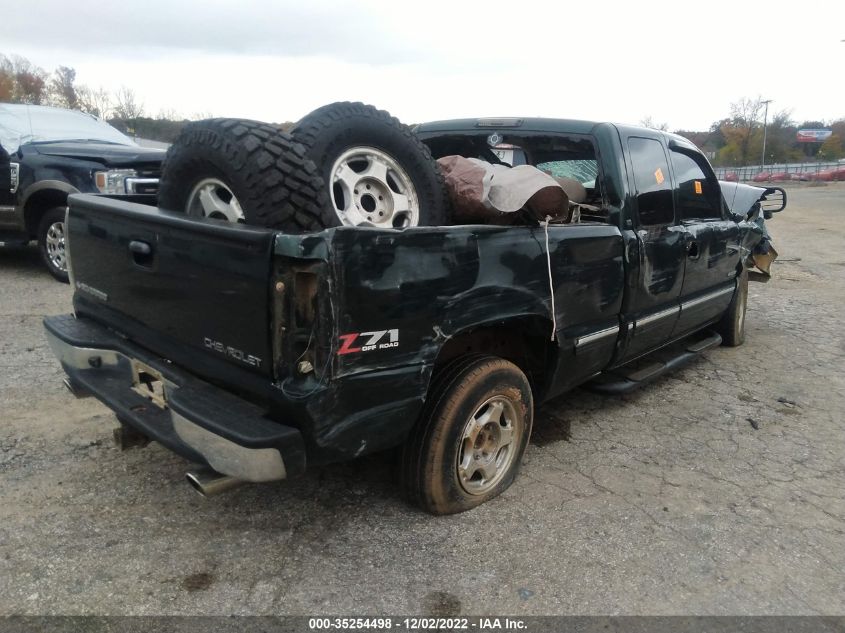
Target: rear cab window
(571,158)
(562,156)
(584,171)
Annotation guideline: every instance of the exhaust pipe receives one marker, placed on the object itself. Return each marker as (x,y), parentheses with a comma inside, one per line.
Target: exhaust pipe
(209,482)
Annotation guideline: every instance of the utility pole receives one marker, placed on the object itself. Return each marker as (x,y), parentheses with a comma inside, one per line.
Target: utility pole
(765,117)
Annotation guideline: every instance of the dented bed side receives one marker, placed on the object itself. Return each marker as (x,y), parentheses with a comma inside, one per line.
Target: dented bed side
(388,304)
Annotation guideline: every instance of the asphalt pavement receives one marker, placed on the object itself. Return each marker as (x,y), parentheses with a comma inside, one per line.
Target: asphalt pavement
(716,490)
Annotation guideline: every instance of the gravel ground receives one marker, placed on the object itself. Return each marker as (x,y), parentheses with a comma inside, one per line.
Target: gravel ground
(717,490)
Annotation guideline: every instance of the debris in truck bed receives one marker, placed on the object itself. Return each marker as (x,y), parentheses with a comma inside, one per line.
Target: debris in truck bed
(485,193)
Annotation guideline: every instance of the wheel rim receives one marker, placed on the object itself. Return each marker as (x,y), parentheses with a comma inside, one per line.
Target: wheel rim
(488,445)
(55,243)
(212,198)
(368,187)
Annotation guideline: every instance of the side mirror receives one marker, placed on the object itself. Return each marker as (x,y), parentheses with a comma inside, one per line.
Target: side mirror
(773,201)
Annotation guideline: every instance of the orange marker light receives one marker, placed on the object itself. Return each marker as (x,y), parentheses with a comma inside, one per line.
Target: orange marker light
(658,176)
(698,187)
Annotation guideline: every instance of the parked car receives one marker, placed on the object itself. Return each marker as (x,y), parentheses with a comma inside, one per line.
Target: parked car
(47,154)
(256,351)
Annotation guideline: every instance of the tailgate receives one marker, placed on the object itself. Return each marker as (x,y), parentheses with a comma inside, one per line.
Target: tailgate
(173,284)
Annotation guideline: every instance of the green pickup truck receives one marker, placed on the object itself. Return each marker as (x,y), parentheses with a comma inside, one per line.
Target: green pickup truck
(256,352)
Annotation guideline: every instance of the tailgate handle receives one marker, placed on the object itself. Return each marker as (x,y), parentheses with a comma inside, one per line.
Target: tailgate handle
(141,252)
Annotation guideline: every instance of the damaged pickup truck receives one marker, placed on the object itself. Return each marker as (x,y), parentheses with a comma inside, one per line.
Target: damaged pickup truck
(256,351)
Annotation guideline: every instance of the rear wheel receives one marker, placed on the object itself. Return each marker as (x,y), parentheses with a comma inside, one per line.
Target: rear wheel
(468,445)
(732,326)
(243,171)
(51,242)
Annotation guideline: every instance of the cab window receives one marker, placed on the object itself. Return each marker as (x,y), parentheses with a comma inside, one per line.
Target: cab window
(584,171)
(651,177)
(697,196)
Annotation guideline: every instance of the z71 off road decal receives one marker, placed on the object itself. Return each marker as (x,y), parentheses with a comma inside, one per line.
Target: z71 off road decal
(367,341)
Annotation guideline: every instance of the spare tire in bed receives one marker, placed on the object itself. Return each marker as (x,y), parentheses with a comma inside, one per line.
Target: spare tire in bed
(244,171)
(376,171)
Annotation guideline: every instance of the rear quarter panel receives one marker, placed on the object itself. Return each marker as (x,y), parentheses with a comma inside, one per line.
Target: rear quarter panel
(398,296)
(431,284)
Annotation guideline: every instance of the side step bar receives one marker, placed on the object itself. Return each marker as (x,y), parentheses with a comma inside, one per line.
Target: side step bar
(626,379)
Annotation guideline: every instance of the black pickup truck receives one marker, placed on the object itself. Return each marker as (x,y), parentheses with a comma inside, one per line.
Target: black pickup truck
(49,153)
(256,352)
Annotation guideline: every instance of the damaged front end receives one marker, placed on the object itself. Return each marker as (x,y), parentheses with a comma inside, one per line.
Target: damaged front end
(752,206)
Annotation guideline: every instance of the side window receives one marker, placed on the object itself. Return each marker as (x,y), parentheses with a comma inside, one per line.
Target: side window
(697,196)
(651,177)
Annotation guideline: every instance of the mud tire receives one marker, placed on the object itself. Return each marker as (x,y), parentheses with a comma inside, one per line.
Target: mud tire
(275,183)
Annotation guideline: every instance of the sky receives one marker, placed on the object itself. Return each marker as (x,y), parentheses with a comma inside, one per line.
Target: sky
(681,63)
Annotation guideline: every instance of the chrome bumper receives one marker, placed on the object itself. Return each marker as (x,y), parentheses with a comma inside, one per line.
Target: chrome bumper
(193,415)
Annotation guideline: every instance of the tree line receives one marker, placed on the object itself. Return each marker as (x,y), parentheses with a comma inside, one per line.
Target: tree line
(734,140)
(23,82)
(737,139)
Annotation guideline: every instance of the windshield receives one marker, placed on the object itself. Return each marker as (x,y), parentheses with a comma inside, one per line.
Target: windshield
(20,124)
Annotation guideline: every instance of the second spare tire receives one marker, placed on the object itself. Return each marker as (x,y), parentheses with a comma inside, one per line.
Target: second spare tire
(244,171)
(376,171)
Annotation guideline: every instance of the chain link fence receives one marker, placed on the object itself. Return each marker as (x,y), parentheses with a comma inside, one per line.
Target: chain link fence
(795,171)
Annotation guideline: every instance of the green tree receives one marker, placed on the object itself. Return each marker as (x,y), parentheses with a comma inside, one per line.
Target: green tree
(30,81)
(838,129)
(832,148)
(780,140)
(7,79)
(740,137)
(745,119)
(21,81)
(63,92)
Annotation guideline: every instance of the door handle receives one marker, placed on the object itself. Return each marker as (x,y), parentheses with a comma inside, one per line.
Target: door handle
(140,248)
(142,253)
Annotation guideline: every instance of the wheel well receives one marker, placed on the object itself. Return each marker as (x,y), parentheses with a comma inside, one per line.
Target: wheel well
(38,203)
(524,341)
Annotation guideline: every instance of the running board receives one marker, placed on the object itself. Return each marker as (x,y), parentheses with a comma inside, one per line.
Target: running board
(627,378)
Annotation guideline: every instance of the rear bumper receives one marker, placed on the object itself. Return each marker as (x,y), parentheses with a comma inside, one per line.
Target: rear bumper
(199,421)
